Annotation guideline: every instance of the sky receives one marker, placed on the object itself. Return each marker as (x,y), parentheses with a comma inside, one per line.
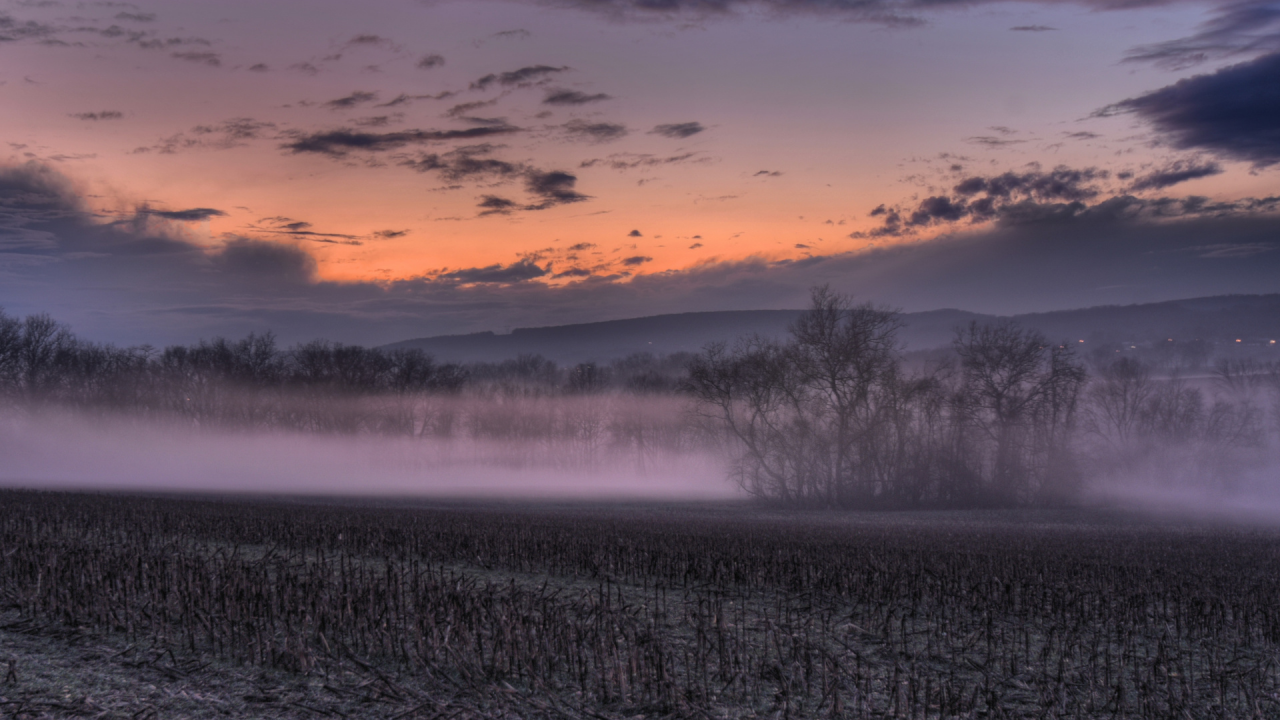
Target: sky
(370,172)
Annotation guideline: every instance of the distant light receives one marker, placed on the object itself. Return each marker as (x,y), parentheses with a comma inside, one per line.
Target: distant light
(1135,347)
(1237,339)
(1170,339)
(1271,341)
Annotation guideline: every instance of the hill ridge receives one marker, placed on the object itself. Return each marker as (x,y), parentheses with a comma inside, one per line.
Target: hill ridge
(1212,318)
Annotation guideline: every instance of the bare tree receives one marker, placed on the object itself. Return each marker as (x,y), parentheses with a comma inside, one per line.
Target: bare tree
(1022,393)
(10,352)
(42,339)
(808,414)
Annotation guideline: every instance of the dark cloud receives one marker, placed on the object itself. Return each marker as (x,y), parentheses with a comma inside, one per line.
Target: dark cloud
(802,246)
(390,234)
(44,227)
(1250,27)
(573,273)
(474,163)
(136,16)
(573,97)
(369,39)
(466,163)
(267,260)
(236,129)
(580,247)
(12,30)
(1032,28)
(337,143)
(1044,201)
(1174,173)
(1083,135)
(634,233)
(306,68)
(678,130)
(464,111)
(993,141)
(938,209)
(495,205)
(524,75)
(1010,197)
(553,188)
(426,62)
(405,98)
(695,246)
(232,133)
(301,230)
(630,161)
(636,260)
(600,132)
(204,58)
(1060,183)
(882,12)
(190,215)
(358,97)
(100,115)
(890,13)
(767,173)
(1232,112)
(259,67)
(513,273)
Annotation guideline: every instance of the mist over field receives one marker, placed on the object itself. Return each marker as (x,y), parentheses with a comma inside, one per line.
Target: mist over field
(836,416)
(64,451)
(56,450)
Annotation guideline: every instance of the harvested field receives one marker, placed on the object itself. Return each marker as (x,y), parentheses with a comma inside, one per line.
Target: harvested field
(135,607)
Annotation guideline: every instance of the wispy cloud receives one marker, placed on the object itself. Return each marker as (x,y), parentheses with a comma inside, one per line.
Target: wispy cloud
(599,132)
(523,76)
(99,115)
(339,142)
(358,97)
(1176,172)
(573,97)
(678,130)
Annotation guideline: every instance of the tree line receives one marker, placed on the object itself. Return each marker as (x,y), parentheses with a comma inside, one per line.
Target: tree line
(321,386)
(833,416)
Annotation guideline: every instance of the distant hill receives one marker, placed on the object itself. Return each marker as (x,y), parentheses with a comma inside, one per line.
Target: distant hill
(658,334)
(1221,318)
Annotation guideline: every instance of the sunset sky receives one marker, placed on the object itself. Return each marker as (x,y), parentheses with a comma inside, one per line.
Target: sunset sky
(369,172)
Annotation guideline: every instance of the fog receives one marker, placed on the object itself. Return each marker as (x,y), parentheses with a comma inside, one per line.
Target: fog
(1190,482)
(833,417)
(64,451)
(59,450)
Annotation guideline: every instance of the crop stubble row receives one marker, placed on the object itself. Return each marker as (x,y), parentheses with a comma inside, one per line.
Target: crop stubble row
(676,612)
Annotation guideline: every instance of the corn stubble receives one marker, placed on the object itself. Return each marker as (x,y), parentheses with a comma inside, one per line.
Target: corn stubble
(497,612)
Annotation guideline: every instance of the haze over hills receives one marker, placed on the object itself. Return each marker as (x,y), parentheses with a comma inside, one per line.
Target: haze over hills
(1223,318)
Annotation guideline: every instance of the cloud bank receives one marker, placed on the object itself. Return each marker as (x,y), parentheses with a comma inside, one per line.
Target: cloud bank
(137,278)
(1234,112)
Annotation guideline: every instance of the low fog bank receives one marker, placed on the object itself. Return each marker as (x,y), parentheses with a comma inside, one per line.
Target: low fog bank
(59,450)
(1256,506)
(835,416)
(1187,483)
